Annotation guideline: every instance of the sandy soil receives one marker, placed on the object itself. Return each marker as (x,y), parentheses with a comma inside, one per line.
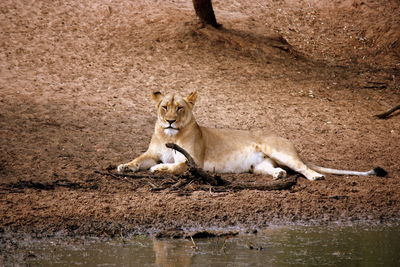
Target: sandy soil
(75,82)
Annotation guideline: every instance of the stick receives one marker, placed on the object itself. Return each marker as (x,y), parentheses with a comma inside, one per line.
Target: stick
(136,176)
(191,162)
(376,85)
(198,173)
(194,244)
(386,114)
(282,184)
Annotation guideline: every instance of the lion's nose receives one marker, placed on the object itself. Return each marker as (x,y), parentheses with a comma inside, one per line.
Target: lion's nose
(171,121)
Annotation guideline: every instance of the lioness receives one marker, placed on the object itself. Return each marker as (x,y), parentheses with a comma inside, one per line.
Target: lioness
(219,150)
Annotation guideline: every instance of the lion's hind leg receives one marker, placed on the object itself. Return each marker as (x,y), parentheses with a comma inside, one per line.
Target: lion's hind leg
(267,166)
(284,153)
(295,163)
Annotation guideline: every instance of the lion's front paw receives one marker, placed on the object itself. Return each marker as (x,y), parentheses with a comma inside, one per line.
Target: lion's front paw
(122,168)
(127,167)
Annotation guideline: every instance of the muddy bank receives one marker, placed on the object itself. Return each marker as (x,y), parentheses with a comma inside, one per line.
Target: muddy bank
(101,206)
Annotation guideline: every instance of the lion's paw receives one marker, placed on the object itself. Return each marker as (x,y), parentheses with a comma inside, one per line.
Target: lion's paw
(279,173)
(122,168)
(316,177)
(159,168)
(127,167)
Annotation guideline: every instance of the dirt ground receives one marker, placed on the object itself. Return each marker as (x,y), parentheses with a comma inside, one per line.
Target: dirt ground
(75,83)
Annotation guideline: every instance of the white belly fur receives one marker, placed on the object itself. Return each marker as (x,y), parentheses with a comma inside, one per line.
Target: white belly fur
(235,162)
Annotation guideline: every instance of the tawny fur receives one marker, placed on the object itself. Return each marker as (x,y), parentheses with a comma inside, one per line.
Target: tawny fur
(217,150)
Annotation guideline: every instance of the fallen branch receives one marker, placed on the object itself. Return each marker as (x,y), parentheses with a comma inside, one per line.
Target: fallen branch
(281,184)
(195,171)
(45,185)
(387,114)
(190,162)
(133,176)
(376,85)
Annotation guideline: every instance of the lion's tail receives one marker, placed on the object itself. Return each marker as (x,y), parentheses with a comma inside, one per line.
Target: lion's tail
(378,171)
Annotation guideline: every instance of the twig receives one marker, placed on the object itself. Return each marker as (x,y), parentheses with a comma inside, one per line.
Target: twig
(223,245)
(283,48)
(376,85)
(194,244)
(387,114)
(179,184)
(152,185)
(134,176)
(281,184)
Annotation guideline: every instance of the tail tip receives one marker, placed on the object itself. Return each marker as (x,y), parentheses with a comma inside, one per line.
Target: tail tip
(380,172)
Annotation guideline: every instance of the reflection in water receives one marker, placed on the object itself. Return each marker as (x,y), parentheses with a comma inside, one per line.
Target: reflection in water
(301,245)
(172,253)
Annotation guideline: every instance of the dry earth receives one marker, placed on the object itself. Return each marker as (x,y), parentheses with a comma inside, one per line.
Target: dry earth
(75,82)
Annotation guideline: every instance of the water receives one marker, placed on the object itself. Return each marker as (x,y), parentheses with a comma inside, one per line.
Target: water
(275,246)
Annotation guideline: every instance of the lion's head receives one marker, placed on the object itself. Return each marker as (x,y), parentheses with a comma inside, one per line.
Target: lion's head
(174,112)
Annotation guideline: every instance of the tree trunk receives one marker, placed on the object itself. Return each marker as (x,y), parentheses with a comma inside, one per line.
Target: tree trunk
(205,12)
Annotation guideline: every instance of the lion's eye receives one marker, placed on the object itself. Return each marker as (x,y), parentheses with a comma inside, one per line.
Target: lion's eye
(164,107)
(179,108)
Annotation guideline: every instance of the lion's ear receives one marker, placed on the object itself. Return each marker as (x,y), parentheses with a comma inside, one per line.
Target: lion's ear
(191,98)
(157,96)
